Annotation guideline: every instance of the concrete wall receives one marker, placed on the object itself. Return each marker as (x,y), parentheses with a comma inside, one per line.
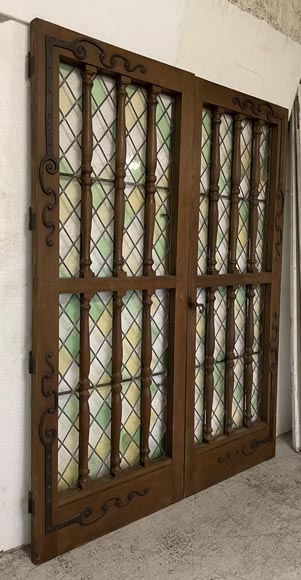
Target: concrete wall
(213,39)
(284,15)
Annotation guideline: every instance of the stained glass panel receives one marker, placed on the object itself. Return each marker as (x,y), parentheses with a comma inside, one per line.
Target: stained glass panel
(199,368)
(136,131)
(204,189)
(70,127)
(220,357)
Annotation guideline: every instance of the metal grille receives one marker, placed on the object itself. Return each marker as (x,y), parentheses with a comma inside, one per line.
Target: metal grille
(104,110)
(220,325)
(100,382)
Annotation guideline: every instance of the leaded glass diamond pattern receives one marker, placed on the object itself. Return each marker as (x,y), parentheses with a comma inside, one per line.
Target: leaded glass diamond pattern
(246,145)
(218,406)
(70,126)
(69,321)
(102,232)
(68,440)
(240,320)
(100,432)
(131,334)
(203,235)
(157,439)
(100,325)
(260,237)
(265,147)
(226,149)
(204,189)
(134,229)
(206,151)
(104,110)
(104,126)
(220,323)
(161,246)
(136,130)
(70,215)
(165,126)
(238,394)
(159,331)
(70,119)
(242,238)
(256,386)
(222,238)
(258,304)
(199,368)
(130,423)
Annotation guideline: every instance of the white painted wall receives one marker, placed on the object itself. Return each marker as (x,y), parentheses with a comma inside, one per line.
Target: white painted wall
(211,38)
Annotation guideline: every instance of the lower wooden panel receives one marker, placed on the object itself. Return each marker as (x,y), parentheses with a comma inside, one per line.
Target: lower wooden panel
(220,462)
(107,510)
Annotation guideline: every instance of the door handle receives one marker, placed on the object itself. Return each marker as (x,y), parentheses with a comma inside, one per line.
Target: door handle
(194,304)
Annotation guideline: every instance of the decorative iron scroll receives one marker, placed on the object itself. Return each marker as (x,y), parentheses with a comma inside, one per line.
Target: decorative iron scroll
(257,108)
(83,518)
(49,164)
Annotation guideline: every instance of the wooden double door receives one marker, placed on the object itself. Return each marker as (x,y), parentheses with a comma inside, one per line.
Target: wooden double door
(157,228)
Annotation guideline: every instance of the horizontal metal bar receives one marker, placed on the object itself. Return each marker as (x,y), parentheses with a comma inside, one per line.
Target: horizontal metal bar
(108,384)
(112,181)
(236,357)
(215,280)
(94,285)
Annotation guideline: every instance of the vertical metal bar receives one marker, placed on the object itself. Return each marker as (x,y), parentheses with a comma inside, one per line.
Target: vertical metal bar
(119,206)
(146,376)
(236,173)
(209,364)
(251,267)
(84,410)
(230,342)
(116,383)
(150,185)
(214,191)
(248,371)
(85,272)
(150,213)
(255,176)
(232,268)
(86,172)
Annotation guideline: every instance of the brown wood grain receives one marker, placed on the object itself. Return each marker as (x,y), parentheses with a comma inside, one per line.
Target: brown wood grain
(63,520)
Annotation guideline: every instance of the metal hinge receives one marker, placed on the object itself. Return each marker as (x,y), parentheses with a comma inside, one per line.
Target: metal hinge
(31,364)
(31,220)
(30,65)
(31,504)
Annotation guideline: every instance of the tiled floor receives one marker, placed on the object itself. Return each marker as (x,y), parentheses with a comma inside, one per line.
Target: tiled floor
(246,528)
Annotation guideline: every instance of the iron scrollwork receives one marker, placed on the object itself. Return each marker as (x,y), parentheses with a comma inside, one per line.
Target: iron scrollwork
(255,107)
